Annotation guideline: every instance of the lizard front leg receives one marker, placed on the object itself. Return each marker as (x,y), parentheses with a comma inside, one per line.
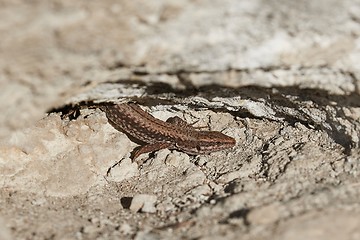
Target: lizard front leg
(150,148)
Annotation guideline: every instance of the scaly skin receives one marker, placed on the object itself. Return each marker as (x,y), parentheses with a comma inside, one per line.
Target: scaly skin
(175,133)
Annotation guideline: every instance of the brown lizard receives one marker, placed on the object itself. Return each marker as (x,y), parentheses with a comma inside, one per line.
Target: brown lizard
(175,133)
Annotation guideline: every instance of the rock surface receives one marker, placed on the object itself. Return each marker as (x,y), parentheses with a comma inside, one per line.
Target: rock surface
(281,77)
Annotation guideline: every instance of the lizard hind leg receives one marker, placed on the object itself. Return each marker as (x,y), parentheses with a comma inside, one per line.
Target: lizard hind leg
(149,148)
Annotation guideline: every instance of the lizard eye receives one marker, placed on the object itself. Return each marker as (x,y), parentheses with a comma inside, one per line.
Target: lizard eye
(198,147)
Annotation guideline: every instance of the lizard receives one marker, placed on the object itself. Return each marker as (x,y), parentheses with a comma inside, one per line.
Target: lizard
(155,134)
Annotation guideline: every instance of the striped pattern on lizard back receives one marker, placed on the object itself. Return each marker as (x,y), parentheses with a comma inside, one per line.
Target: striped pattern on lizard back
(174,133)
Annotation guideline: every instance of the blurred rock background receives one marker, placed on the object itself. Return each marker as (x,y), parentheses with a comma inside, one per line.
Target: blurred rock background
(52,50)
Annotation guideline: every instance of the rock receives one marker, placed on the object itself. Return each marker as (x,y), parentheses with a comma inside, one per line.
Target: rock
(177,159)
(264,215)
(125,170)
(143,202)
(4,231)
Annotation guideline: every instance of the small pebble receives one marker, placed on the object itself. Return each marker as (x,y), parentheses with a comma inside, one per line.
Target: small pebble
(143,202)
